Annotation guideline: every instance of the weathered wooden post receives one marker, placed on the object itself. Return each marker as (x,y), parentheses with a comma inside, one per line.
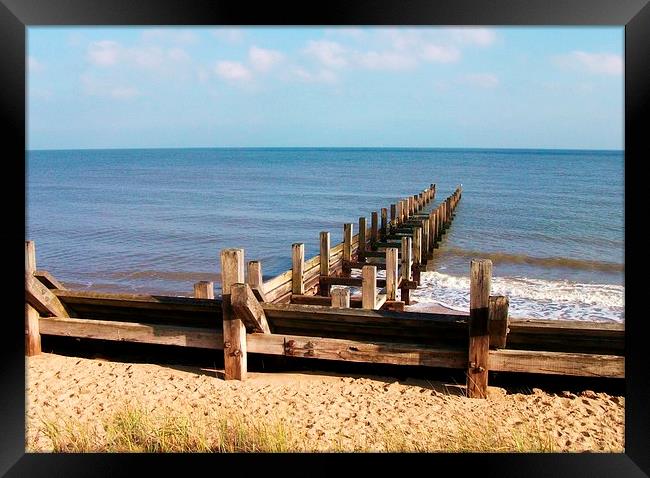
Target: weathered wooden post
(384,223)
(406,269)
(341,297)
(374,230)
(234,330)
(324,289)
(32,329)
(417,253)
(255,281)
(425,240)
(297,268)
(369,287)
(204,290)
(392,267)
(347,249)
(361,251)
(393,215)
(479,333)
(498,320)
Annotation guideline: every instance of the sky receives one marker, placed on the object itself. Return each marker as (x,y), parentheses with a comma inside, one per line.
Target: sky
(429,87)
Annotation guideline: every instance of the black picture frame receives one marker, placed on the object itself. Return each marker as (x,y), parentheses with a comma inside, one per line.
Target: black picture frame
(17,15)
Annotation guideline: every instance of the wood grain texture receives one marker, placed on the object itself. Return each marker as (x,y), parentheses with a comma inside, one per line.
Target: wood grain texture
(234,330)
(32,331)
(479,338)
(248,309)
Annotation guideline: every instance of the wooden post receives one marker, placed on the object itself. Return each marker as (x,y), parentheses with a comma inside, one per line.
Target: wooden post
(479,333)
(393,214)
(384,222)
(362,239)
(255,280)
(347,248)
(297,268)
(341,297)
(417,253)
(406,268)
(204,290)
(30,257)
(391,273)
(498,319)
(324,289)
(368,287)
(32,330)
(234,331)
(425,240)
(374,231)
(432,233)
(399,212)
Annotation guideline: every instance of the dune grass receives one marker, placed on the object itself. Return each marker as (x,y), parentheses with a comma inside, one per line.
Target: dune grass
(134,429)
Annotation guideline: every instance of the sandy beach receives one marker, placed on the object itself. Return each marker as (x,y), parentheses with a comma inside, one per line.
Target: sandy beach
(329,412)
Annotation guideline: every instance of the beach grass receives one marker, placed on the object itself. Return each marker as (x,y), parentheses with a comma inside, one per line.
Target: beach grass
(133,429)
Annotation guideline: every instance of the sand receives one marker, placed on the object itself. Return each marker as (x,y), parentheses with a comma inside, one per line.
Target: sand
(333,412)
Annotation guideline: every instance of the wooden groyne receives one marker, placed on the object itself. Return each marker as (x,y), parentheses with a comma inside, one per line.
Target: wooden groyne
(308,311)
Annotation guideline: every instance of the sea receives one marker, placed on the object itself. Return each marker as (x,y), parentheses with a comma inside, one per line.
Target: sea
(153,221)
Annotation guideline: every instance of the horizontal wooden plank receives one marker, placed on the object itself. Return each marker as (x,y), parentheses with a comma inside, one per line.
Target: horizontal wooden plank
(355,351)
(319,300)
(137,300)
(132,332)
(557,363)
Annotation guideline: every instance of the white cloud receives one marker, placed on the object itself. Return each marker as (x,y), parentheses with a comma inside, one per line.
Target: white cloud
(482,80)
(330,54)
(598,63)
(228,35)
(473,35)
(321,76)
(104,53)
(94,86)
(33,65)
(232,71)
(440,54)
(108,53)
(386,61)
(262,59)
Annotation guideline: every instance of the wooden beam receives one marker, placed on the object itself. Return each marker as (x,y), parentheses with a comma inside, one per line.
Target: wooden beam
(498,321)
(298,268)
(341,297)
(248,309)
(479,334)
(320,300)
(557,363)
(369,287)
(347,245)
(392,267)
(355,351)
(132,332)
(234,330)
(204,290)
(32,331)
(42,299)
(48,280)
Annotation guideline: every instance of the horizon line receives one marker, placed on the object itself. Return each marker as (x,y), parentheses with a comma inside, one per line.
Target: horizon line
(118,148)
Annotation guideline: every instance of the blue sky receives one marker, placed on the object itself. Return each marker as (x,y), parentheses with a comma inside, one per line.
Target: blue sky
(132,87)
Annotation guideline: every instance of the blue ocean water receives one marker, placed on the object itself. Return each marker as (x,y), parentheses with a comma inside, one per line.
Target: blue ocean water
(154,220)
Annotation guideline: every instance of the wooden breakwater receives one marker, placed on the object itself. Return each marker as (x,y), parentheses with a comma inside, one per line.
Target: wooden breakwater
(274,318)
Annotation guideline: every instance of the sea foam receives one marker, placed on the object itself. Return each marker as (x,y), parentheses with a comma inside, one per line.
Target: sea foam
(529,298)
